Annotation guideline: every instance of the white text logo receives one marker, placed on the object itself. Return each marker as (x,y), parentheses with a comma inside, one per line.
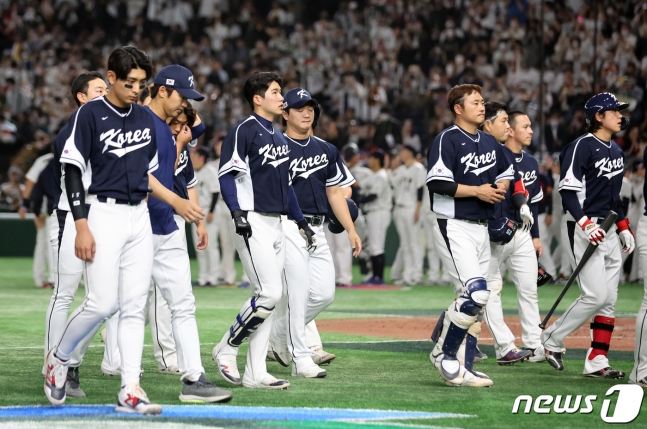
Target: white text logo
(473,160)
(607,166)
(116,138)
(528,177)
(302,165)
(271,152)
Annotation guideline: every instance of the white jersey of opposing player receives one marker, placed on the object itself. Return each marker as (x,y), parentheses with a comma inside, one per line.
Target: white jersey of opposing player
(405,182)
(207,184)
(379,185)
(361,174)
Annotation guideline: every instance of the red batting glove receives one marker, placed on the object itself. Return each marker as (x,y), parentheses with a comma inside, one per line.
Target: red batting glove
(594,233)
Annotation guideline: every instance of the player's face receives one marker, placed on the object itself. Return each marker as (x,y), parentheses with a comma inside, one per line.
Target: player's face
(500,127)
(177,123)
(300,119)
(96,88)
(405,155)
(126,92)
(273,101)
(611,120)
(174,103)
(473,110)
(523,130)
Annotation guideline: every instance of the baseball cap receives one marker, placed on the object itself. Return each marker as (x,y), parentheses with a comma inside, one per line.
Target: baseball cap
(349,151)
(297,97)
(179,78)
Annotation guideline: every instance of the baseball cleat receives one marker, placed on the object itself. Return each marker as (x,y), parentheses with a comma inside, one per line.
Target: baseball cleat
(538,355)
(309,371)
(642,382)
(171,370)
(282,356)
(55,378)
(473,379)
(555,359)
(450,369)
(269,382)
(227,366)
(320,356)
(513,356)
(270,355)
(479,355)
(607,372)
(375,280)
(132,399)
(117,372)
(202,390)
(73,385)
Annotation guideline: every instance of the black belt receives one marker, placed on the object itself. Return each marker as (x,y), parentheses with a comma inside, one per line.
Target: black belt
(315,220)
(478,222)
(118,201)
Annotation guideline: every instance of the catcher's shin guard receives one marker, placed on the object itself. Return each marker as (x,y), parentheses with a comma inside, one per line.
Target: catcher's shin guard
(247,321)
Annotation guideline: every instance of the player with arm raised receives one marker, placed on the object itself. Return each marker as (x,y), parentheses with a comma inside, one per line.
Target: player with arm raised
(255,184)
(592,168)
(467,174)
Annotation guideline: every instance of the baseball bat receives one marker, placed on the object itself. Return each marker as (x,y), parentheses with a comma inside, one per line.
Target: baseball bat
(608,221)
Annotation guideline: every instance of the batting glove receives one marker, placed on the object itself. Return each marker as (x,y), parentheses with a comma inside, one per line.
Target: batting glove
(594,233)
(308,235)
(526,217)
(626,235)
(243,228)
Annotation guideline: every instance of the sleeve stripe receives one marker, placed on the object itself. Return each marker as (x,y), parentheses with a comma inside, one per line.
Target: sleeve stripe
(442,178)
(538,197)
(73,161)
(232,168)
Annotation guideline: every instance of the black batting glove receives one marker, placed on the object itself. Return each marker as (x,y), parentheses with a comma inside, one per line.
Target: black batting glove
(243,228)
(308,235)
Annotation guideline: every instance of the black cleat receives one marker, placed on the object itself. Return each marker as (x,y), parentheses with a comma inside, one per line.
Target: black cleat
(73,384)
(607,372)
(555,360)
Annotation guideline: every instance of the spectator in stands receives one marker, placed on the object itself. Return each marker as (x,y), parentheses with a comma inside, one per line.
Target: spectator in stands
(11,191)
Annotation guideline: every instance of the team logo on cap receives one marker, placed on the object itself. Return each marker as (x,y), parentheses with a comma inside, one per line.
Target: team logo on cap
(170,81)
(303,93)
(191,81)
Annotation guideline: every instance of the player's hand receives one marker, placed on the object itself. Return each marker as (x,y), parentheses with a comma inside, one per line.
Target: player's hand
(39,220)
(243,228)
(209,217)
(189,211)
(539,249)
(184,137)
(489,194)
(22,211)
(84,245)
(626,236)
(416,216)
(308,235)
(355,243)
(594,233)
(548,220)
(526,217)
(203,236)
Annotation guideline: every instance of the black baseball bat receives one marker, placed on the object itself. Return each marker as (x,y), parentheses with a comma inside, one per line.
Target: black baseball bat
(608,221)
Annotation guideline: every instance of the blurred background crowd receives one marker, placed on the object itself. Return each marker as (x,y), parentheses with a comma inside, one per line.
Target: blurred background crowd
(380,68)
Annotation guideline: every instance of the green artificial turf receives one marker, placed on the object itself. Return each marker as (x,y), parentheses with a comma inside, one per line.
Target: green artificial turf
(393,375)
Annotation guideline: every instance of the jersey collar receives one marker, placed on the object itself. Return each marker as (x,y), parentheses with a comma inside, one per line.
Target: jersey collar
(264,123)
(303,143)
(470,136)
(114,108)
(606,144)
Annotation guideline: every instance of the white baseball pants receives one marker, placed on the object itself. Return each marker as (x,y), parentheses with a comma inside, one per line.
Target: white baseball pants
(118,278)
(209,258)
(522,264)
(263,262)
(639,370)
(377,223)
(159,317)
(43,255)
(546,237)
(313,339)
(342,256)
(409,233)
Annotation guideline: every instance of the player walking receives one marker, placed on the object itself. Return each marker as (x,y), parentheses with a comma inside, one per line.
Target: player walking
(591,176)
(255,184)
(317,174)
(467,174)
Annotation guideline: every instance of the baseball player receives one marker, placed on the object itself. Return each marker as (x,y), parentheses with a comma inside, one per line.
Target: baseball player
(208,190)
(377,201)
(408,181)
(467,173)
(545,219)
(255,184)
(317,174)
(520,253)
(116,137)
(67,267)
(591,176)
(428,219)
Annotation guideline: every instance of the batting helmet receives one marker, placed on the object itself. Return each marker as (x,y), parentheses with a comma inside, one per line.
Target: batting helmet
(501,230)
(334,225)
(542,276)
(603,102)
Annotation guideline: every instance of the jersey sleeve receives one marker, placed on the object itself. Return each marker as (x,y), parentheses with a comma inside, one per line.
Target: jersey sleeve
(189,174)
(348,180)
(536,193)
(440,159)
(235,148)
(153,163)
(78,146)
(572,168)
(334,174)
(504,164)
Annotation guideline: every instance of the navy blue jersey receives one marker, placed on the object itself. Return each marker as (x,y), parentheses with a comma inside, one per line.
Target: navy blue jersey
(314,165)
(259,156)
(184,175)
(593,169)
(58,145)
(119,144)
(467,159)
(161,214)
(527,170)
(46,186)
(545,205)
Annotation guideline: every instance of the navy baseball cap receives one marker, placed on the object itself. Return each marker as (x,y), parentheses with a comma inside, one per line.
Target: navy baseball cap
(179,78)
(334,225)
(602,102)
(297,97)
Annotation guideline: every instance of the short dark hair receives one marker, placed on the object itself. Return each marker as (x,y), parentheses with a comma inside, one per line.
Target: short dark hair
(258,84)
(512,117)
(492,108)
(155,89)
(146,92)
(190,113)
(594,124)
(81,83)
(123,60)
(458,94)
(379,155)
(312,103)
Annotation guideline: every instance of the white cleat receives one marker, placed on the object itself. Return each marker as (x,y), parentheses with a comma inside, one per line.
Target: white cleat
(227,366)
(55,378)
(270,355)
(132,399)
(450,369)
(281,355)
(269,382)
(172,370)
(320,356)
(308,371)
(538,355)
(472,379)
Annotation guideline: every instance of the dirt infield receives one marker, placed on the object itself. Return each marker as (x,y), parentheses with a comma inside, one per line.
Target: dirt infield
(419,328)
